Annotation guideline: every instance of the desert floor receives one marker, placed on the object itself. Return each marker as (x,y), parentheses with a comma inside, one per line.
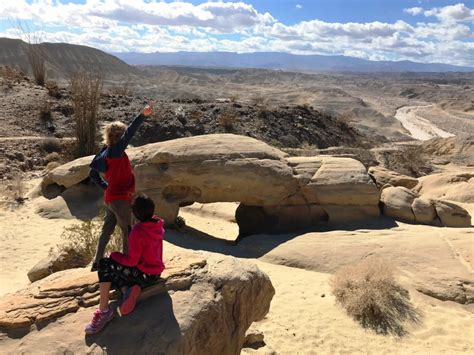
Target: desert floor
(304,317)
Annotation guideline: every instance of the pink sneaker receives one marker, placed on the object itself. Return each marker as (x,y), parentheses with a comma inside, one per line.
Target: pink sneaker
(99,321)
(129,300)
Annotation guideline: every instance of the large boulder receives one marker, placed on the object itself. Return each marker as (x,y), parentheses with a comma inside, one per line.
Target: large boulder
(405,205)
(231,168)
(203,305)
(57,260)
(452,215)
(397,203)
(384,176)
(424,211)
(454,186)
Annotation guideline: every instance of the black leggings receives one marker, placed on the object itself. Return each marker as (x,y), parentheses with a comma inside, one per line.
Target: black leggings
(123,276)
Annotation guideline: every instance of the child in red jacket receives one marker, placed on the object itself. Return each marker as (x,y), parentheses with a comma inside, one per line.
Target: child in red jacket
(140,267)
(119,186)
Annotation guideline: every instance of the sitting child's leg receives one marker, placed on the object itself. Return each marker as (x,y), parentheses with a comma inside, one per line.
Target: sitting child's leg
(130,299)
(105,313)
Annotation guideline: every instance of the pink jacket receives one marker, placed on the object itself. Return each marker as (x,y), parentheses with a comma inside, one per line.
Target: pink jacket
(145,247)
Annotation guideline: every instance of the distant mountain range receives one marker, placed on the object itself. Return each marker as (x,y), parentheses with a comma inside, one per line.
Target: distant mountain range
(283,61)
(63,59)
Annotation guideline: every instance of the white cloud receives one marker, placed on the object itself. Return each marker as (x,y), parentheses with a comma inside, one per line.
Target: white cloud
(414,11)
(452,13)
(298,6)
(152,25)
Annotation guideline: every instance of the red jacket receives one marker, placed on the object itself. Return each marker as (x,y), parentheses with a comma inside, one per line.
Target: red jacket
(120,178)
(145,247)
(114,163)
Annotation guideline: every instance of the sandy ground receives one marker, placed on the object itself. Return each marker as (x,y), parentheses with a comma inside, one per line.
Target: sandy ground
(419,127)
(303,318)
(25,238)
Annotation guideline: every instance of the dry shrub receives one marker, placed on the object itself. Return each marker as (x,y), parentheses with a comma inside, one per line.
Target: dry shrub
(54,156)
(50,145)
(36,57)
(197,116)
(53,89)
(233,98)
(84,236)
(52,165)
(86,88)
(369,294)
(45,112)
(123,89)
(11,74)
(18,188)
(308,150)
(228,119)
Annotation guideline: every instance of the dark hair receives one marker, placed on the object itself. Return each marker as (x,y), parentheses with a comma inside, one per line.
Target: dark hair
(143,208)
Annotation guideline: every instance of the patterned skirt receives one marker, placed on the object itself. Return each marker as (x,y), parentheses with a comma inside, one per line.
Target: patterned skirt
(123,276)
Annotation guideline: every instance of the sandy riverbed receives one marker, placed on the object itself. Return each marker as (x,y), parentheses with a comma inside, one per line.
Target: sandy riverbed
(419,127)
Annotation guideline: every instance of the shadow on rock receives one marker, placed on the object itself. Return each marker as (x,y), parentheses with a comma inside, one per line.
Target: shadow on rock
(257,245)
(153,324)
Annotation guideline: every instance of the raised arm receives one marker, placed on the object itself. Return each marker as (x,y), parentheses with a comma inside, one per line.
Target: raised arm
(117,149)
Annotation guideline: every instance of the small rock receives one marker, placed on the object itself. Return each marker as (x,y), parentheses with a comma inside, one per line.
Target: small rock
(253,338)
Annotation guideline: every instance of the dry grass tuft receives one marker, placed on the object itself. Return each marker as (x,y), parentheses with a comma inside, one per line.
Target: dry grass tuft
(83,237)
(53,89)
(54,156)
(228,119)
(45,112)
(50,145)
(369,294)
(52,165)
(11,74)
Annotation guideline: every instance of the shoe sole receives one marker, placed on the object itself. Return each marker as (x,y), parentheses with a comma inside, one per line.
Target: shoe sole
(128,305)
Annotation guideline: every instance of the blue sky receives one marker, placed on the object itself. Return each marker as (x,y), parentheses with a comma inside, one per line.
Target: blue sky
(419,30)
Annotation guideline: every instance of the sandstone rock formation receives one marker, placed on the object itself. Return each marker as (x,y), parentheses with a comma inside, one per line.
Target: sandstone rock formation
(436,261)
(204,304)
(56,261)
(384,176)
(289,193)
(453,186)
(405,205)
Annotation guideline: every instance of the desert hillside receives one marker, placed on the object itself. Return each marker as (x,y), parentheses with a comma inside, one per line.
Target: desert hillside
(63,59)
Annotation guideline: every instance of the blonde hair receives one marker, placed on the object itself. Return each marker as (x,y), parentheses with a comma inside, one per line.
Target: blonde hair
(113,132)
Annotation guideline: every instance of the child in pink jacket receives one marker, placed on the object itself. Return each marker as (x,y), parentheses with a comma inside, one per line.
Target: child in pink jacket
(140,267)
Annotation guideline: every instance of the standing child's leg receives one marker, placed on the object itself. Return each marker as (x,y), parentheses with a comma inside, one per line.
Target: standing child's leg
(107,229)
(123,214)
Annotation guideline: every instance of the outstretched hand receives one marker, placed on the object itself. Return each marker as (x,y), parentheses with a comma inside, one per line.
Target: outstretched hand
(148,110)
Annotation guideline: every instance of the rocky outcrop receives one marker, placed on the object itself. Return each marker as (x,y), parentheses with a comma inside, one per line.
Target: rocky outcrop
(226,168)
(384,176)
(397,203)
(57,260)
(204,304)
(453,186)
(405,205)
